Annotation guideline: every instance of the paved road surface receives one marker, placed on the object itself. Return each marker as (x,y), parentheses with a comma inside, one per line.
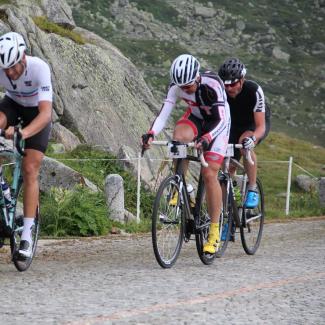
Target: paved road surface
(116,280)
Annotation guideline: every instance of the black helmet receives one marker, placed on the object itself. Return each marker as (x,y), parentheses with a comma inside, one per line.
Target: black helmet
(231,71)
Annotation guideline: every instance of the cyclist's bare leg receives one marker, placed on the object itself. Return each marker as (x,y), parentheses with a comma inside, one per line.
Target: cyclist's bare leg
(31,165)
(3,120)
(183,133)
(213,190)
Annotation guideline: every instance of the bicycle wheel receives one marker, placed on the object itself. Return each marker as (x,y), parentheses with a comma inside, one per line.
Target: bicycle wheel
(202,224)
(225,221)
(22,263)
(167,223)
(252,224)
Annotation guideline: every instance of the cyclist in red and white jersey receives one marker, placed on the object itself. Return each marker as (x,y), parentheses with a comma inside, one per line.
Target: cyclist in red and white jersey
(206,120)
(28,96)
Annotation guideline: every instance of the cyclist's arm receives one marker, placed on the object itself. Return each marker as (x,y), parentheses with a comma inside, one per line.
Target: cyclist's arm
(259,114)
(40,121)
(259,119)
(165,111)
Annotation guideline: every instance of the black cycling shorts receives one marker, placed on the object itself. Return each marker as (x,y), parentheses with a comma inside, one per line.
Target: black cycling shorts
(15,111)
(235,134)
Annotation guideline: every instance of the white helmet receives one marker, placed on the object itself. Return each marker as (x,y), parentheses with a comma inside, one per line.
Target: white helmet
(184,70)
(12,49)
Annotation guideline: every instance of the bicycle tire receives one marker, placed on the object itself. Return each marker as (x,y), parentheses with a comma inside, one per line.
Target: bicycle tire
(202,224)
(225,221)
(252,222)
(22,263)
(167,223)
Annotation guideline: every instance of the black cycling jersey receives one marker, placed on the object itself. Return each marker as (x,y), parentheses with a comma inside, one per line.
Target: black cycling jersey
(245,104)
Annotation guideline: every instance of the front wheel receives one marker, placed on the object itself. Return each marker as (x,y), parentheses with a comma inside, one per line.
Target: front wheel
(22,263)
(167,223)
(202,226)
(252,224)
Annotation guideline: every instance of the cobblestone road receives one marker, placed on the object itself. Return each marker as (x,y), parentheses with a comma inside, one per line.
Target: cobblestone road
(116,280)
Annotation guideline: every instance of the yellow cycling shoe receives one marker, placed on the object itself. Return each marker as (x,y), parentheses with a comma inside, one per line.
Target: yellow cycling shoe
(210,248)
(174,199)
(212,245)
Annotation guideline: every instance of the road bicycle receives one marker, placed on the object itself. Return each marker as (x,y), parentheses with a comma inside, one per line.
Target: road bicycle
(235,215)
(11,223)
(175,217)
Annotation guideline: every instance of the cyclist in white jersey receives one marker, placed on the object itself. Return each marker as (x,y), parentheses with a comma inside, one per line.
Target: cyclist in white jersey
(206,120)
(28,97)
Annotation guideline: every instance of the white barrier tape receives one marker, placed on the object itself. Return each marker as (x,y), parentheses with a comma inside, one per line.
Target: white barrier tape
(304,170)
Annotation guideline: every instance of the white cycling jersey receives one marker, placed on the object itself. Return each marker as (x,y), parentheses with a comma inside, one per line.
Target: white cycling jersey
(33,86)
(175,93)
(213,112)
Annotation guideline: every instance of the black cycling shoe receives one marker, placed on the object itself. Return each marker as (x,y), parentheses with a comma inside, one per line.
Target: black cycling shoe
(25,249)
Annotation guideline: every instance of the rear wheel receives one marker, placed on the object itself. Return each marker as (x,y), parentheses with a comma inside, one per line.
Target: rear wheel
(167,223)
(252,224)
(202,225)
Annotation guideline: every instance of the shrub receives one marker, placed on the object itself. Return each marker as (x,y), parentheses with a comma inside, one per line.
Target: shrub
(74,213)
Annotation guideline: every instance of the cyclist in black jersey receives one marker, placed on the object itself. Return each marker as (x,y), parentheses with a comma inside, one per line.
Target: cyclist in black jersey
(250,117)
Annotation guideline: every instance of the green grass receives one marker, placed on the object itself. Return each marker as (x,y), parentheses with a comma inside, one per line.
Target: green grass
(274,154)
(51,27)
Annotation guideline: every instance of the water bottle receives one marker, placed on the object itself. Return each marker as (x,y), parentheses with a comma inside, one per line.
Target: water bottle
(190,191)
(6,193)
(224,232)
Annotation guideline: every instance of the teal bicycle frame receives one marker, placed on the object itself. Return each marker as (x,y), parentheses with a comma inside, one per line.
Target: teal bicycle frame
(8,213)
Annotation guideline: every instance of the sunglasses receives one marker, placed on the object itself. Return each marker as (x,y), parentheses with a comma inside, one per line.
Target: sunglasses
(232,85)
(188,86)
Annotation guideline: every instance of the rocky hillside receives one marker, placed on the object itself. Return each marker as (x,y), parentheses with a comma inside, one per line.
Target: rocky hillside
(282,42)
(100,97)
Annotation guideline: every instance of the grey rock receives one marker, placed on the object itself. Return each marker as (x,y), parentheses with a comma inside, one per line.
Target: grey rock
(204,12)
(106,95)
(66,137)
(128,216)
(306,183)
(279,54)
(59,12)
(128,158)
(115,197)
(55,174)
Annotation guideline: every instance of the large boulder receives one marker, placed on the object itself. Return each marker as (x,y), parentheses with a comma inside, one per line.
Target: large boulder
(98,92)
(55,174)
